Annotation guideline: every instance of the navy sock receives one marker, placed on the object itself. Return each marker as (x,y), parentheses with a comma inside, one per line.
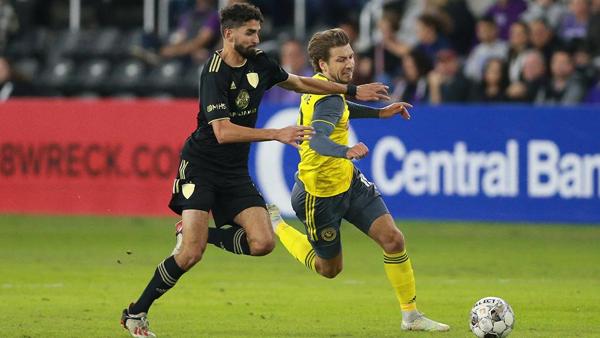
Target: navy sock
(232,239)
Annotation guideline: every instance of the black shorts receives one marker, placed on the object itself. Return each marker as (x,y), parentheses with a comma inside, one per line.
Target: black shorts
(360,205)
(224,195)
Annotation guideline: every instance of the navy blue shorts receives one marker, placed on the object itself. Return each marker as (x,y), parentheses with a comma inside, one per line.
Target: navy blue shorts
(360,205)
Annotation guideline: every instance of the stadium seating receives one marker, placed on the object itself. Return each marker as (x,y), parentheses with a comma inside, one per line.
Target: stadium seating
(162,80)
(92,75)
(57,78)
(126,78)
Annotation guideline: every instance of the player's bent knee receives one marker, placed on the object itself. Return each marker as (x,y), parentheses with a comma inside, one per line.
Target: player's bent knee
(329,271)
(394,243)
(262,247)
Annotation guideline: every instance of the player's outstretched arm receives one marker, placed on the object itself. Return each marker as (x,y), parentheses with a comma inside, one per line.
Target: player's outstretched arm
(367,92)
(227,132)
(359,111)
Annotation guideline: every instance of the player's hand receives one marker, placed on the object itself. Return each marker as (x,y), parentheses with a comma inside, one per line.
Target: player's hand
(394,109)
(372,92)
(357,152)
(293,135)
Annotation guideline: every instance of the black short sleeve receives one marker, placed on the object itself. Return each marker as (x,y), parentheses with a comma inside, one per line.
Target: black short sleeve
(213,96)
(275,73)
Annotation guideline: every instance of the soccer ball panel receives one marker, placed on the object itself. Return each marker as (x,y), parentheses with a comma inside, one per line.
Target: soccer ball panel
(486,325)
(506,332)
(499,326)
(509,318)
(478,332)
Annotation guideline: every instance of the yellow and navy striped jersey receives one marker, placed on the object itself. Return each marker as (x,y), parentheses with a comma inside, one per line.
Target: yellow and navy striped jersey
(324,176)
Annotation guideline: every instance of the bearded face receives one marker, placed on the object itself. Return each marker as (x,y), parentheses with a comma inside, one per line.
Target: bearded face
(245,38)
(245,51)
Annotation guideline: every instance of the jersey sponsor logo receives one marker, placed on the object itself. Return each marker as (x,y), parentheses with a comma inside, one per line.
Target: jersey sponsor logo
(252,79)
(215,106)
(243,112)
(188,189)
(243,99)
(329,234)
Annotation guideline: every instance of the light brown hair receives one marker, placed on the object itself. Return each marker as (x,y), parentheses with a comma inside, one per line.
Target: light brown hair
(321,42)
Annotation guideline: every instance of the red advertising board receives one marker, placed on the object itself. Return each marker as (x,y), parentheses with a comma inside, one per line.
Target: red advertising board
(91,157)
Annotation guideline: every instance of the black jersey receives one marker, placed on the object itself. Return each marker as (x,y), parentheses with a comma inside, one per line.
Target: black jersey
(232,93)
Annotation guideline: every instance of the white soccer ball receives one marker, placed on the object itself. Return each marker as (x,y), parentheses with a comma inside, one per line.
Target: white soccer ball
(492,317)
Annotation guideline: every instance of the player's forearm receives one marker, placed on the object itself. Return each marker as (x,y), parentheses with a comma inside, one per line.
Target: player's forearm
(359,111)
(232,133)
(323,145)
(313,86)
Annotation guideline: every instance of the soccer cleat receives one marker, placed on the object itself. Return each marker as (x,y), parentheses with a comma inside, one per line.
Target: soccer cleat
(422,323)
(275,216)
(137,325)
(178,237)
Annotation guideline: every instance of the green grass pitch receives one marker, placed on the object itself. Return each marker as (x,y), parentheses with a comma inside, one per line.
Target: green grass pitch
(72,276)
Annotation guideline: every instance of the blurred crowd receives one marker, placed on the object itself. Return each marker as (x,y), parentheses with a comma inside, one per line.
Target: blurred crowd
(427,51)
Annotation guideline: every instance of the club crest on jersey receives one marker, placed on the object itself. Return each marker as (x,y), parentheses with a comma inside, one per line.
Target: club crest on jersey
(188,189)
(329,234)
(252,79)
(242,99)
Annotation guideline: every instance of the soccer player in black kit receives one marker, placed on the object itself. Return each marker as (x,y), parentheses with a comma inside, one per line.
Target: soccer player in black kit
(213,172)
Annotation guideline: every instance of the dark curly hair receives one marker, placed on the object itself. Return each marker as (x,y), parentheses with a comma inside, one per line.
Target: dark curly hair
(238,14)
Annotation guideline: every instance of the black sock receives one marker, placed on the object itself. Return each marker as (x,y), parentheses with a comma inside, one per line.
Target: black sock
(232,239)
(165,276)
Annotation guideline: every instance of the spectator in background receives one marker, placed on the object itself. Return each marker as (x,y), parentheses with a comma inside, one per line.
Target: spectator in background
(430,36)
(492,88)
(331,9)
(292,60)
(9,23)
(364,67)
(460,24)
(480,7)
(542,38)
(446,81)
(564,88)
(517,45)
(351,28)
(550,10)
(574,23)
(533,78)
(407,22)
(197,32)
(383,60)
(504,13)
(413,86)
(489,47)
(593,31)
(582,60)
